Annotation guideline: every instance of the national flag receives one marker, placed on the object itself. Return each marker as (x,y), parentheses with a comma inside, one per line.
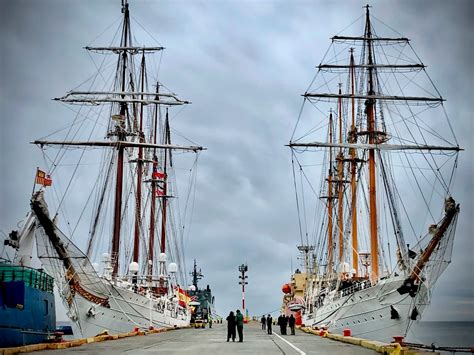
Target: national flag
(158,175)
(183,297)
(40,176)
(193,298)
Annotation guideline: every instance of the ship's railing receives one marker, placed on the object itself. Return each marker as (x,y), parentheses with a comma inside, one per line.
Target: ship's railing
(358,286)
(31,277)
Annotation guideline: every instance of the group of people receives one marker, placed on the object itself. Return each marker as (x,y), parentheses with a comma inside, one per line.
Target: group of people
(267,323)
(283,322)
(235,325)
(233,322)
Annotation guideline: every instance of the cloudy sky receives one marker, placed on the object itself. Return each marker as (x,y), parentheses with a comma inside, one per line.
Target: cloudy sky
(244,65)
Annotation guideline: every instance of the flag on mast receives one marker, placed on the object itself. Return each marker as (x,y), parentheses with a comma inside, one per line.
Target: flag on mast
(183,297)
(42,178)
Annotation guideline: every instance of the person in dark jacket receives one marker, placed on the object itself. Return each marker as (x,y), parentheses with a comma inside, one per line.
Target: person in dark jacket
(269,324)
(280,323)
(263,321)
(231,326)
(239,320)
(291,323)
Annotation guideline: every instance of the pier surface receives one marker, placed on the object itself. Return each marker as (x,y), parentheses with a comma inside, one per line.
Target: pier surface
(213,341)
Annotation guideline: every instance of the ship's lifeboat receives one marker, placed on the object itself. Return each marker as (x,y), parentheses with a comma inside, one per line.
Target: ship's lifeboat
(297,304)
(294,307)
(286,288)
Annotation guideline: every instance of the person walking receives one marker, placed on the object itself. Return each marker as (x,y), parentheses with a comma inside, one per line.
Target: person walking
(263,321)
(239,320)
(231,326)
(291,323)
(269,324)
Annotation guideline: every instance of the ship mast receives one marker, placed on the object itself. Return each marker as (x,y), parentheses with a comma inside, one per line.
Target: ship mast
(370,109)
(353,153)
(138,206)
(121,137)
(330,199)
(151,239)
(340,182)
(196,274)
(165,186)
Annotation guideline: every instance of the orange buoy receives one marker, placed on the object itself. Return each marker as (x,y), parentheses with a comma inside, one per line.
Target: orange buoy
(286,288)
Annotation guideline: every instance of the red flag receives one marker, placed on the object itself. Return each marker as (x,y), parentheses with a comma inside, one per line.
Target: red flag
(158,175)
(47,181)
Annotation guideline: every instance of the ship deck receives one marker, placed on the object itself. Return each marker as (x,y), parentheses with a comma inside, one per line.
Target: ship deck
(213,341)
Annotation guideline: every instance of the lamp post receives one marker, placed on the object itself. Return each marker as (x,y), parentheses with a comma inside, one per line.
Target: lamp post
(243,269)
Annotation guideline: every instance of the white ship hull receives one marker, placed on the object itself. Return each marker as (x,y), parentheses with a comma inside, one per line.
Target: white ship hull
(367,312)
(128,310)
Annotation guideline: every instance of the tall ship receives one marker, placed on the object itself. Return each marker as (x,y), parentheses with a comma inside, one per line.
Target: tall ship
(118,260)
(374,157)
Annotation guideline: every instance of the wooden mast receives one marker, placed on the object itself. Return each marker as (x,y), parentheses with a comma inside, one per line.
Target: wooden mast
(121,137)
(151,240)
(370,109)
(165,187)
(138,205)
(353,153)
(330,199)
(340,184)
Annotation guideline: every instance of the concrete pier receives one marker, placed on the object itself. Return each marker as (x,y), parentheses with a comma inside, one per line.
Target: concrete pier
(213,342)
